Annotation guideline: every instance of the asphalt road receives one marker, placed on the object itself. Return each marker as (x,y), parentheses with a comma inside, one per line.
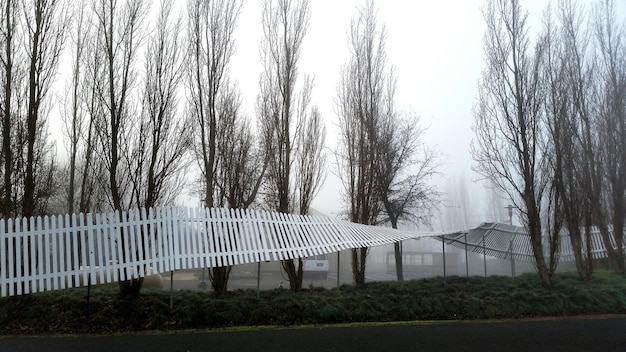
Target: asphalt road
(562,334)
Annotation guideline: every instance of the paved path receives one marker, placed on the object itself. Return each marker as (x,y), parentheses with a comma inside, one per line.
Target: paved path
(568,334)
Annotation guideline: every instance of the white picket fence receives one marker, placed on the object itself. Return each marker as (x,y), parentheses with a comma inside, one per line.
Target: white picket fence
(58,252)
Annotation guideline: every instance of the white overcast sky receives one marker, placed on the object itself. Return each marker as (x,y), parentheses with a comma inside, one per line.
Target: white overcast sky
(436,48)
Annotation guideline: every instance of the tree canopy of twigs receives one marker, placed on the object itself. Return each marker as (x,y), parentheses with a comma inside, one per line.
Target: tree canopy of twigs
(508,121)
(550,124)
(292,133)
(383,176)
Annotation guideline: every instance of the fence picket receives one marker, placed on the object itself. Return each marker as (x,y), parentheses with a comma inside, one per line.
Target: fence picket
(183,242)
(76,227)
(11,262)
(246,249)
(193,238)
(129,231)
(167,245)
(153,240)
(213,239)
(176,239)
(227,235)
(51,255)
(254,237)
(64,246)
(208,248)
(269,236)
(87,222)
(31,272)
(4,262)
(40,274)
(91,252)
(159,241)
(286,246)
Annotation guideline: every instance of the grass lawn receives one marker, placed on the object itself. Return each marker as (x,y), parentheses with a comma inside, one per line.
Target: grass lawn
(426,299)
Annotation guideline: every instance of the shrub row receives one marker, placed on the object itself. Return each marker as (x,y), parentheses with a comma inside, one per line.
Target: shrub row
(425,299)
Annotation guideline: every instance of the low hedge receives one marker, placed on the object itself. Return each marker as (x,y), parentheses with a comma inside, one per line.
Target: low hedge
(425,299)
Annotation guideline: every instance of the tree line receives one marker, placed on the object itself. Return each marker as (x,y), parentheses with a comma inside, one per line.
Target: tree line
(550,125)
(148,97)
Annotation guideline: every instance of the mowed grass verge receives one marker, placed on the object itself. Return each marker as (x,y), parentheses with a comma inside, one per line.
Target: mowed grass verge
(471,298)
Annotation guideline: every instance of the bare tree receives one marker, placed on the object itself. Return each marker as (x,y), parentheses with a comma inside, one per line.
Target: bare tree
(73,114)
(610,110)
(508,120)
(404,167)
(362,94)
(9,52)
(383,169)
(118,35)
(31,35)
(241,165)
(93,187)
(311,160)
(283,114)
(45,26)
(163,139)
(565,76)
(210,47)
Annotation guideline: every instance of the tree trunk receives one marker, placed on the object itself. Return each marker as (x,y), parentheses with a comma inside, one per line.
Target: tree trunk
(219,278)
(358,265)
(131,288)
(577,249)
(28,203)
(542,268)
(398,256)
(6,118)
(618,234)
(612,255)
(534,230)
(294,274)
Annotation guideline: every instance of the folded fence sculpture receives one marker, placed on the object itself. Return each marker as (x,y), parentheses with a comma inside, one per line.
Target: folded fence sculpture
(58,252)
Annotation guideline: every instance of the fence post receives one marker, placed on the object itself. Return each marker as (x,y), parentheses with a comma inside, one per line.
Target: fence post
(485,255)
(443,252)
(88,293)
(171,289)
(512,259)
(258,280)
(338,263)
(466,261)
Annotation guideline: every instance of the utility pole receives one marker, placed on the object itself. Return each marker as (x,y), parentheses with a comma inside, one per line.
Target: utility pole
(510,209)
